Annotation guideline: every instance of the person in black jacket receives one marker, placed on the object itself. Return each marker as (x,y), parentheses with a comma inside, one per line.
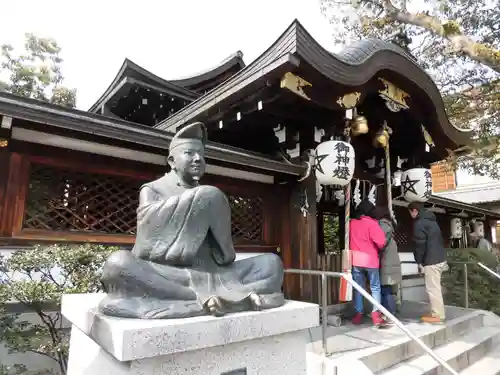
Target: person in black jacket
(430,256)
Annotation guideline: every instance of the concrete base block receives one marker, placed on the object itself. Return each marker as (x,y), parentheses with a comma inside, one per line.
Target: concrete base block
(271,342)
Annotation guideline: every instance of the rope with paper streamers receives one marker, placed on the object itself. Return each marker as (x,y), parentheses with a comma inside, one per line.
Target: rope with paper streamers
(365,189)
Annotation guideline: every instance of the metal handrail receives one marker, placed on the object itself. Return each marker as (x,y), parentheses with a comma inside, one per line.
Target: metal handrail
(347,277)
(489,270)
(466,275)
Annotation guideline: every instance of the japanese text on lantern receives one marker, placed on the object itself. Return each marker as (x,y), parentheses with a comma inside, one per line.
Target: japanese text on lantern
(342,160)
(428,184)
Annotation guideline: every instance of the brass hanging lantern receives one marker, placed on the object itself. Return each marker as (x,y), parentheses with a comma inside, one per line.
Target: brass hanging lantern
(381,139)
(359,125)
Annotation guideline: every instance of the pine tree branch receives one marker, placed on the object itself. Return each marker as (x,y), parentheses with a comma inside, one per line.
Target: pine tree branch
(450,31)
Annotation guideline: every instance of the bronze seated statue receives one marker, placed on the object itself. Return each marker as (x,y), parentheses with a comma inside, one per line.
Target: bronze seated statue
(183,262)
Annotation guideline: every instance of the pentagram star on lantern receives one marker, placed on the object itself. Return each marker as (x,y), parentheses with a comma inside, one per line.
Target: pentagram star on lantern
(317,162)
(409,185)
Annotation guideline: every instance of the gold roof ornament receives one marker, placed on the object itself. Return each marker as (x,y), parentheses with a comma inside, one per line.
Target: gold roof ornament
(395,98)
(295,84)
(349,101)
(427,137)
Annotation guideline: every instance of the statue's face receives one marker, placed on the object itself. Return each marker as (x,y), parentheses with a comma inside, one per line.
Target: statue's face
(188,160)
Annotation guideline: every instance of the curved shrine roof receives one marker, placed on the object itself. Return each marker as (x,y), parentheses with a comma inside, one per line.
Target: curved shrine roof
(354,66)
(185,88)
(231,63)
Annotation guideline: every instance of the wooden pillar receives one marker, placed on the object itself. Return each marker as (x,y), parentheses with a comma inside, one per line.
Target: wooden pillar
(283,222)
(304,238)
(4,175)
(13,192)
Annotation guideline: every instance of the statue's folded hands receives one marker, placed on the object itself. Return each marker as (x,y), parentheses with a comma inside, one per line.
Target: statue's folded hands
(183,263)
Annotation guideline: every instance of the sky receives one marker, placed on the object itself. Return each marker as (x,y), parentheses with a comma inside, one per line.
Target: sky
(172,39)
(466,178)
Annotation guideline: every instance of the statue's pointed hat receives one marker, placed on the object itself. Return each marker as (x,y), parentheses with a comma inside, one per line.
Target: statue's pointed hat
(192,131)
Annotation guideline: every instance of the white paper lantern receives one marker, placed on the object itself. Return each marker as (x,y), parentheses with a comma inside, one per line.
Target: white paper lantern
(416,185)
(334,163)
(478,228)
(456,227)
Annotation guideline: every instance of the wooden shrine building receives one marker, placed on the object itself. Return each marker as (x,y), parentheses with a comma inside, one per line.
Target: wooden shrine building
(74,176)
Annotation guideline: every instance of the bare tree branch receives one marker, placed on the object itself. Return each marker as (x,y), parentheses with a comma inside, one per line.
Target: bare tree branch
(450,31)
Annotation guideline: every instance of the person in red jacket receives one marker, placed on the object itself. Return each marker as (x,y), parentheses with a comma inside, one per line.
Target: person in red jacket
(366,239)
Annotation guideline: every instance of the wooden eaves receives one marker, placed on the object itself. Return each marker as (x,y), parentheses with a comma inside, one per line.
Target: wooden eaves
(53,117)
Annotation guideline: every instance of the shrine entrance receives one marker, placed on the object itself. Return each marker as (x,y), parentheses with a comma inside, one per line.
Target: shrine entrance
(330,243)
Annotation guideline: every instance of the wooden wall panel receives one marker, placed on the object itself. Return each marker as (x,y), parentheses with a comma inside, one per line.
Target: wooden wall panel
(304,250)
(96,168)
(443,177)
(4,175)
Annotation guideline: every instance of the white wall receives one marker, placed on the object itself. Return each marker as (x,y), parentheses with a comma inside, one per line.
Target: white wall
(414,288)
(240,256)
(465,178)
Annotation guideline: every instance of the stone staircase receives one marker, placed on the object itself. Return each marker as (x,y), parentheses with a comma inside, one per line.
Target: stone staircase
(469,342)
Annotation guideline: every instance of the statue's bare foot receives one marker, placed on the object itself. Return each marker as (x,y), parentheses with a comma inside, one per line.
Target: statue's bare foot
(214,306)
(256,301)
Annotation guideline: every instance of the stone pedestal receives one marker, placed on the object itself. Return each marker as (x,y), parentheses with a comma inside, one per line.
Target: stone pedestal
(250,343)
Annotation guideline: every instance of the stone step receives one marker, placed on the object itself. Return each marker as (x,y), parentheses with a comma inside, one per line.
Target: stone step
(459,354)
(488,365)
(379,349)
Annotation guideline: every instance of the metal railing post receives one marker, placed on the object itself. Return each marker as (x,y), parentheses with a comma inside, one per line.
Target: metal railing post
(324,312)
(466,285)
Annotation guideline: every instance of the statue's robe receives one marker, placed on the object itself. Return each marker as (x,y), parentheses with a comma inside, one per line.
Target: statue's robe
(183,255)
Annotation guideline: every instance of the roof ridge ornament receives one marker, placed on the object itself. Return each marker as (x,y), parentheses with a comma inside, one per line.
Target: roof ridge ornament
(395,98)
(295,84)
(427,137)
(349,101)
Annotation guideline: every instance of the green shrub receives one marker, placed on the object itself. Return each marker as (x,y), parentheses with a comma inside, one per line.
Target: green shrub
(482,286)
(38,279)
(12,370)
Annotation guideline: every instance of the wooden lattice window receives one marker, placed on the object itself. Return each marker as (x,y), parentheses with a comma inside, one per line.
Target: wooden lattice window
(246,218)
(70,201)
(404,230)
(402,237)
(67,200)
